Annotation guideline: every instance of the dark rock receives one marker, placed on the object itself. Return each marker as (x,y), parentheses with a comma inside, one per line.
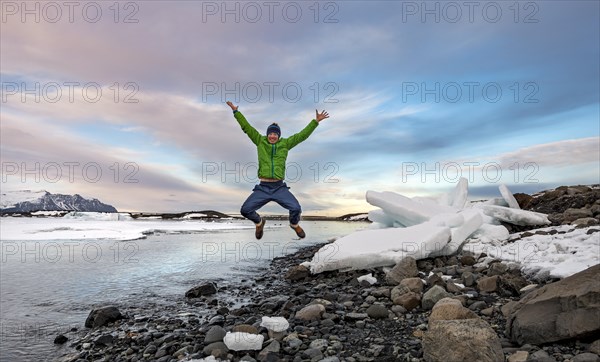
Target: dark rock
(312,354)
(60,339)
(381,292)
(408,301)
(413,284)
(104,340)
(436,279)
(214,334)
(297,272)
(151,349)
(425,264)
(574,214)
(468,260)
(453,260)
(223,311)
(102,316)
(202,290)
(432,296)
(523,200)
(497,269)
(377,311)
(218,319)
(511,284)
(269,353)
(208,350)
(356,316)
(452,288)
(540,356)
(406,268)
(468,279)
(488,284)
(478,305)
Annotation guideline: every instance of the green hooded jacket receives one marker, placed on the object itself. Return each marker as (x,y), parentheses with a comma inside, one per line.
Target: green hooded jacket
(272,157)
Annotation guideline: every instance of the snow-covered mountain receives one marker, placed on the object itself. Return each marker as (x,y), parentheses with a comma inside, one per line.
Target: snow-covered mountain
(29,201)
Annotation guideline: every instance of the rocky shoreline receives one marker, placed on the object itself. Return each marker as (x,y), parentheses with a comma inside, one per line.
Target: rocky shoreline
(446,308)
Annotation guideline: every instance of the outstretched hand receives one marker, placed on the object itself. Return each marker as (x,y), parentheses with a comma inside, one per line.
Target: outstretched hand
(233,108)
(321,116)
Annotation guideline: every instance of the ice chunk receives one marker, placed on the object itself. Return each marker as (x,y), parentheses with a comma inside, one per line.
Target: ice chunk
(473,221)
(489,233)
(449,220)
(508,196)
(458,197)
(380,247)
(368,277)
(381,217)
(99,216)
(515,216)
(404,210)
(241,341)
(275,324)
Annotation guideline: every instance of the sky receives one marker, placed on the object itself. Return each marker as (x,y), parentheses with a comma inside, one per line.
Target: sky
(125,101)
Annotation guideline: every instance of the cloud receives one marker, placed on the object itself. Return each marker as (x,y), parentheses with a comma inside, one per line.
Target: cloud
(557,154)
(167,58)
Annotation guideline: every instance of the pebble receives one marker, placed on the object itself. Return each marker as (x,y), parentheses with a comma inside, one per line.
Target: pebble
(351,323)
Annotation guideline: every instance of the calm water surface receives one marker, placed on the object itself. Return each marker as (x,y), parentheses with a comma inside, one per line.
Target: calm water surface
(49,286)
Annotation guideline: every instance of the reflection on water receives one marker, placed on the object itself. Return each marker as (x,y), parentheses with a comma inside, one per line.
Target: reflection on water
(50,286)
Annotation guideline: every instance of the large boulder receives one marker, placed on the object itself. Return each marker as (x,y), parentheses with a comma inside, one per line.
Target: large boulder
(456,333)
(405,268)
(202,290)
(102,316)
(569,308)
(450,309)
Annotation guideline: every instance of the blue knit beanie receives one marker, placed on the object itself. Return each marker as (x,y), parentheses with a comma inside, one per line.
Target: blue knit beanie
(274,128)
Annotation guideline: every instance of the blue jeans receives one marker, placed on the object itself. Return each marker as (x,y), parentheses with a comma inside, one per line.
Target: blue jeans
(271,191)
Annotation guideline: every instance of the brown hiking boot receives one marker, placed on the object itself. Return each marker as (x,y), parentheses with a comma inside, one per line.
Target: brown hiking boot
(259,228)
(301,234)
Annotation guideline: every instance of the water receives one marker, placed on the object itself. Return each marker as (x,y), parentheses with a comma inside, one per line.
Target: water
(49,286)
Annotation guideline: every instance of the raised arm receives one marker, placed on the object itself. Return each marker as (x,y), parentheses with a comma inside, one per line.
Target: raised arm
(301,136)
(246,127)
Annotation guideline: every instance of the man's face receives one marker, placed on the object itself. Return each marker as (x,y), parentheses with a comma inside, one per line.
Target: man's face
(273,137)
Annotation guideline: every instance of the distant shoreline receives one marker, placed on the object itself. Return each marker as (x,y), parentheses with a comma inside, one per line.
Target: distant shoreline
(206,215)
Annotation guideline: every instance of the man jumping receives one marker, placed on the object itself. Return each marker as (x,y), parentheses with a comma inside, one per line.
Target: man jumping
(272,154)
